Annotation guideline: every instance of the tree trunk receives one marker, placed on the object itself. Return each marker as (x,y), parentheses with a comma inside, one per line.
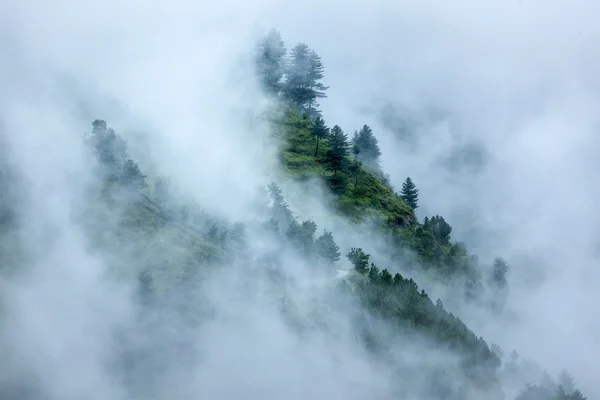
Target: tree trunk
(317,149)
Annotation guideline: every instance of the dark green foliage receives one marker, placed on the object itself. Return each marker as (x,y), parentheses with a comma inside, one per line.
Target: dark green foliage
(270,61)
(368,146)
(338,184)
(410,193)
(336,157)
(303,235)
(304,73)
(399,299)
(440,228)
(356,165)
(359,259)
(172,239)
(327,249)
(320,131)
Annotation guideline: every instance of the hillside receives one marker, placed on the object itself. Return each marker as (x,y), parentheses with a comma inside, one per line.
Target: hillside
(177,255)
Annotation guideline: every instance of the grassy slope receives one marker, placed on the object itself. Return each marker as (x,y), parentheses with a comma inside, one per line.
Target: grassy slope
(371,197)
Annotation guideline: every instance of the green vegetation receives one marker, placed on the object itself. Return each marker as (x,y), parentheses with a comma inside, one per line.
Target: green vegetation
(165,243)
(362,192)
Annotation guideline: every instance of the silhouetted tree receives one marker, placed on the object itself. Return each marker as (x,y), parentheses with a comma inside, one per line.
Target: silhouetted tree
(410,193)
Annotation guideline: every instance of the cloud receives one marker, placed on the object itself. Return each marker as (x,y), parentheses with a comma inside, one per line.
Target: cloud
(513,83)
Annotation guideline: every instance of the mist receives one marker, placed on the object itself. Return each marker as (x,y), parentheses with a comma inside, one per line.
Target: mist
(490,108)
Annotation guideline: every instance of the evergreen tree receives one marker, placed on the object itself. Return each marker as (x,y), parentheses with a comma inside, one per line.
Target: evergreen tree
(271,61)
(281,212)
(297,85)
(440,228)
(369,147)
(303,236)
(304,72)
(336,157)
(356,165)
(316,73)
(327,249)
(359,259)
(319,131)
(410,193)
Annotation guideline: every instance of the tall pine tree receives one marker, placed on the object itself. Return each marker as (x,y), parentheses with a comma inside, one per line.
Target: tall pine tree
(336,157)
(320,131)
(304,73)
(317,88)
(410,193)
(369,147)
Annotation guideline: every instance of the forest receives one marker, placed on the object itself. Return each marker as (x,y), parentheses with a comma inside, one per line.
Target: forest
(168,245)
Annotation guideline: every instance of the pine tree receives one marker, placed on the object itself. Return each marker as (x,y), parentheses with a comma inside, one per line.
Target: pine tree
(327,249)
(356,165)
(316,73)
(410,193)
(359,259)
(440,228)
(336,157)
(320,131)
(281,212)
(369,147)
(297,75)
(270,61)
(304,72)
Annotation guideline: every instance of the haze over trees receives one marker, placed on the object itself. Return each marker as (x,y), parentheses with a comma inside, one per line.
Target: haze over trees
(169,247)
(352,171)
